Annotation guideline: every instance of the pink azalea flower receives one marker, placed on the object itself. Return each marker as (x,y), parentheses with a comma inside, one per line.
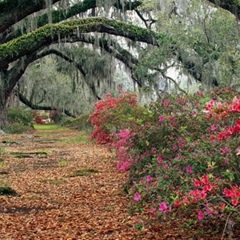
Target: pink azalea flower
(166,102)
(213,127)
(149,178)
(160,159)
(161,118)
(200,215)
(189,169)
(162,206)
(210,212)
(136,197)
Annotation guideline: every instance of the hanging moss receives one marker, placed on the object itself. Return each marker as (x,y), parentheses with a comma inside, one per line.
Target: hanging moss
(59,15)
(53,32)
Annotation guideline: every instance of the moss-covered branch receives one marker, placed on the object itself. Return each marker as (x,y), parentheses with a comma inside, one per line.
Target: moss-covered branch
(49,34)
(57,16)
(12,11)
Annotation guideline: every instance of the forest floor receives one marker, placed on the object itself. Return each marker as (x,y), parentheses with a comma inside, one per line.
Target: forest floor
(67,188)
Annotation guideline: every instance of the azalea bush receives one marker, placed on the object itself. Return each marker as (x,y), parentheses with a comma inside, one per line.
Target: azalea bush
(191,167)
(111,115)
(182,154)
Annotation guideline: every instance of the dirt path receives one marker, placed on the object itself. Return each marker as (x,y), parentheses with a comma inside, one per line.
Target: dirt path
(52,202)
(67,190)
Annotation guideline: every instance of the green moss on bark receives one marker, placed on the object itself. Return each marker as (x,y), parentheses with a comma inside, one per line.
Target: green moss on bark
(48,34)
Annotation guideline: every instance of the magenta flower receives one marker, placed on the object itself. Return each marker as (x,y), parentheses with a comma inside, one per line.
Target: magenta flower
(213,127)
(200,215)
(161,118)
(149,178)
(160,160)
(136,197)
(189,169)
(166,103)
(162,207)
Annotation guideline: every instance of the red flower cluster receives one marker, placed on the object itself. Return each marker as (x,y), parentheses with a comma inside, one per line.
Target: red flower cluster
(102,114)
(233,193)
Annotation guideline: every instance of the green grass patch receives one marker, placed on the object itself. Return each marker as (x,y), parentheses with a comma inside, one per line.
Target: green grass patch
(53,181)
(83,172)
(79,139)
(2,151)
(48,127)
(107,208)
(28,154)
(55,201)
(62,163)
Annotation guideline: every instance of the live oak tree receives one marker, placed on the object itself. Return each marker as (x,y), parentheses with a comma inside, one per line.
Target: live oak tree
(207,38)
(22,45)
(66,84)
(32,30)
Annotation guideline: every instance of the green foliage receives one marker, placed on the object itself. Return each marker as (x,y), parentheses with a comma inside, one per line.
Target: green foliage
(48,127)
(19,121)
(21,116)
(53,181)
(79,139)
(62,162)
(79,123)
(42,36)
(7,191)
(83,172)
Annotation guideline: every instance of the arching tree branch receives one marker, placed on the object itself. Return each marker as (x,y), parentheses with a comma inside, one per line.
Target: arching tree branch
(53,33)
(13,11)
(37,107)
(56,15)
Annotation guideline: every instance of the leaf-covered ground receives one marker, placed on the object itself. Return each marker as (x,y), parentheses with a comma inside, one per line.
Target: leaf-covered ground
(68,189)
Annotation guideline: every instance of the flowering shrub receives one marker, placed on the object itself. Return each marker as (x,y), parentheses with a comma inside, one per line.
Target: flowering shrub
(183,155)
(192,159)
(38,119)
(109,114)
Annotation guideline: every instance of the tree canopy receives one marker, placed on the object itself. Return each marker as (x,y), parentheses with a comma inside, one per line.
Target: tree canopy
(169,34)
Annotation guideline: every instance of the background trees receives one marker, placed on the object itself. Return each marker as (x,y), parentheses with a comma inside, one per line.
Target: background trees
(193,38)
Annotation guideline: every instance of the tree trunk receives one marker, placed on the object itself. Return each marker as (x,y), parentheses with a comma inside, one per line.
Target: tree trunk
(3,112)
(3,101)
